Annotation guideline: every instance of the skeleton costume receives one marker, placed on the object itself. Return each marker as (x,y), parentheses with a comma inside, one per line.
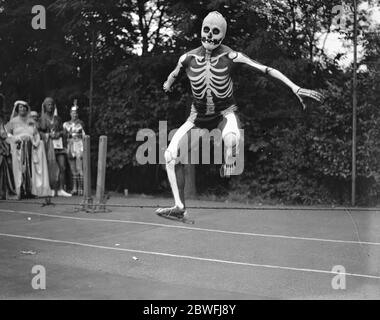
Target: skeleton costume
(74,131)
(209,71)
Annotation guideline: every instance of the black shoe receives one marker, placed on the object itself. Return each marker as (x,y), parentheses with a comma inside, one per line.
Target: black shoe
(174,212)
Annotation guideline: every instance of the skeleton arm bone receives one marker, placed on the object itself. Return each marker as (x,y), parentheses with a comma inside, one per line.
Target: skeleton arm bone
(297,90)
(174,75)
(241,58)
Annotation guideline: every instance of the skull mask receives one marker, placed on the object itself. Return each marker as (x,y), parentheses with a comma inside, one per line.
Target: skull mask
(214,29)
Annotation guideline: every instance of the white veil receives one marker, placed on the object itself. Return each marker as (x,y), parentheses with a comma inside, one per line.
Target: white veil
(16,104)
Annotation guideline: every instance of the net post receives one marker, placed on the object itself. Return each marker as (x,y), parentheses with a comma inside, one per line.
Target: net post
(87,194)
(101,176)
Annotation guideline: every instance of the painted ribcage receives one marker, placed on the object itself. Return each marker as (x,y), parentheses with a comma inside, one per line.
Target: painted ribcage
(206,76)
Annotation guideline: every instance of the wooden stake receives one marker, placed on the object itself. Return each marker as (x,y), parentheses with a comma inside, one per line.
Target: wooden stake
(101,179)
(87,194)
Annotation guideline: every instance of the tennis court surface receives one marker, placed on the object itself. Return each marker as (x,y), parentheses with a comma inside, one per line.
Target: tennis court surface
(232,251)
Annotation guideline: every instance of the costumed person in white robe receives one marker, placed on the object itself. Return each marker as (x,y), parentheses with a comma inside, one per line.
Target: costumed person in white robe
(20,136)
(40,170)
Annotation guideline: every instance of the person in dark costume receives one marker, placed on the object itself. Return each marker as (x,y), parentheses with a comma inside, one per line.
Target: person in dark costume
(51,129)
(7,186)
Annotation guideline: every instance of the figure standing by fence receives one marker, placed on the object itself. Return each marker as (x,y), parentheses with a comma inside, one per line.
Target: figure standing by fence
(74,131)
(52,130)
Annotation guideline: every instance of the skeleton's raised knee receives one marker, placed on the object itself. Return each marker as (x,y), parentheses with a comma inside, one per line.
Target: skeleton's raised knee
(169,159)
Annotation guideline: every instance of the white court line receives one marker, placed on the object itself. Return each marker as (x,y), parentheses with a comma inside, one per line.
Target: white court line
(261,235)
(267,266)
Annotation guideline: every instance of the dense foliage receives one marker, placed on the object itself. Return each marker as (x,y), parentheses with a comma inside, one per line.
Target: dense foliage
(292,155)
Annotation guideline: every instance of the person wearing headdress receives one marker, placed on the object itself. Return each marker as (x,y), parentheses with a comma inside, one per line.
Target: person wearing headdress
(52,132)
(20,135)
(74,130)
(7,187)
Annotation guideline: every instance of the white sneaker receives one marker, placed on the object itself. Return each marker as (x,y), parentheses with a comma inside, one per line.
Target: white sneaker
(53,193)
(63,193)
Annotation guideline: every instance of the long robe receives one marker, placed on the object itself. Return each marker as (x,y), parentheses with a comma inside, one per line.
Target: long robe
(29,163)
(6,177)
(40,171)
(47,127)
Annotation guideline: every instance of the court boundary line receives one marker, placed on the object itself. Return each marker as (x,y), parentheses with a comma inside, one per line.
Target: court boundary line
(162,254)
(169,226)
(253,208)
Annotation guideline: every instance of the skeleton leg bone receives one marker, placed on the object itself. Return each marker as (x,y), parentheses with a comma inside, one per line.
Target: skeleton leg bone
(175,171)
(172,176)
(231,137)
(230,155)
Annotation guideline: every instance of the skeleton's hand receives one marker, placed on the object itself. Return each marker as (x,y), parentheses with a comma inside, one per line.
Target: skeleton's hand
(302,93)
(167,87)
